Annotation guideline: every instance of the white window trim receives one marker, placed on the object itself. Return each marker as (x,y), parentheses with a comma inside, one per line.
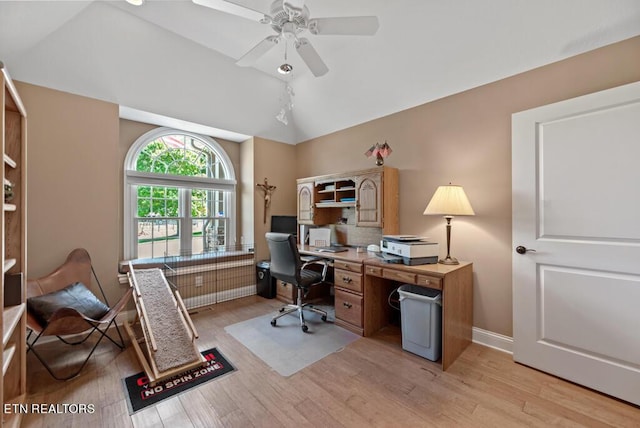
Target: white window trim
(150,178)
(132,178)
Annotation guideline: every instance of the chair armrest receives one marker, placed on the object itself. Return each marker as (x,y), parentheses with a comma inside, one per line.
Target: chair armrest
(318,261)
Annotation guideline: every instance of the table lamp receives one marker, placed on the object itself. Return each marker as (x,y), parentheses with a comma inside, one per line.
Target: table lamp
(449,201)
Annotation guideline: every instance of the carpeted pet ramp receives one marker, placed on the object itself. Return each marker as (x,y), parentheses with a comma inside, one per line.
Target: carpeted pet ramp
(162,333)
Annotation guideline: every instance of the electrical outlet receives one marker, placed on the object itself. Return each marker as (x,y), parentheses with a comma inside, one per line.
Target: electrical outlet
(199,281)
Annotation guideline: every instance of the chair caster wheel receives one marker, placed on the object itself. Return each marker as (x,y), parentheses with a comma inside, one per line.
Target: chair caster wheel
(273,323)
(324,318)
(305,328)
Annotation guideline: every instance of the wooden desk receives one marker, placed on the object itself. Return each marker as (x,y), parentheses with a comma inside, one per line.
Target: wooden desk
(379,279)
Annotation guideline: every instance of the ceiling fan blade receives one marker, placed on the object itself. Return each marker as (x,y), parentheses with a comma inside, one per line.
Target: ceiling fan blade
(311,57)
(242,8)
(346,26)
(257,51)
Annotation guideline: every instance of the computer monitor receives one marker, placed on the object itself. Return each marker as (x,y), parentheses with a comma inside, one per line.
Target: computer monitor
(284,224)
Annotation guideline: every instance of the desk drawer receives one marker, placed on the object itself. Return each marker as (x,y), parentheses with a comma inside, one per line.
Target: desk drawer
(398,275)
(429,282)
(349,307)
(347,279)
(373,270)
(350,266)
(285,291)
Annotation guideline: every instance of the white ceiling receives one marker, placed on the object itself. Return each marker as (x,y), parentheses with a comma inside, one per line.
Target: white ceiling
(177,59)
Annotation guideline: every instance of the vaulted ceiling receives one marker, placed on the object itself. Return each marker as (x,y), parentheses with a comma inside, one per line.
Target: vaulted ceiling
(176,59)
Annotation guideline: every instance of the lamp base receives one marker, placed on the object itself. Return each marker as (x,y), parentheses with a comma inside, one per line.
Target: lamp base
(449,261)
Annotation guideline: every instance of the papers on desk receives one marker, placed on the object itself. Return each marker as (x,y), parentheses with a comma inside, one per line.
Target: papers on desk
(388,258)
(320,237)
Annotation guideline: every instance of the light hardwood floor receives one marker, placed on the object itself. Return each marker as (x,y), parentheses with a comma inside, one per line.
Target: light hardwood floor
(372,382)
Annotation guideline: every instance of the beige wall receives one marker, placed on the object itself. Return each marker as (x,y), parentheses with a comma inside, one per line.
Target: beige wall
(466,139)
(74,196)
(275,162)
(77,147)
(76,151)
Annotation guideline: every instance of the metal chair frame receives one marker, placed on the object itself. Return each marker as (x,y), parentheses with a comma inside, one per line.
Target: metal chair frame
(71,323)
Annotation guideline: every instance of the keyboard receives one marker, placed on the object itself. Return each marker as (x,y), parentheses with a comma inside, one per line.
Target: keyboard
(331,249)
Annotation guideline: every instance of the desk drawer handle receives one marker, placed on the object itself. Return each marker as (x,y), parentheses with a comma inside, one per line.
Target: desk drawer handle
(347,279)
(347,305)
(427,282)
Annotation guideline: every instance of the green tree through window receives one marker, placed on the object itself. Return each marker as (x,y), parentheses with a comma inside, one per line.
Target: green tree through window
(173,213)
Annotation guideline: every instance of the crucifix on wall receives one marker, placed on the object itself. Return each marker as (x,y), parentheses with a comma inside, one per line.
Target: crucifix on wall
(268,190)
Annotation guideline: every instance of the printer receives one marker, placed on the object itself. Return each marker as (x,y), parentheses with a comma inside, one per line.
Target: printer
(412,249)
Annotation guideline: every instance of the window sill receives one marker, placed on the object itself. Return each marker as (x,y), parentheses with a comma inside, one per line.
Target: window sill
(174,262)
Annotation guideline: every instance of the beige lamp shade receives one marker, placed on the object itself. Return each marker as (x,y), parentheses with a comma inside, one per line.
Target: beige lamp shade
(449,200)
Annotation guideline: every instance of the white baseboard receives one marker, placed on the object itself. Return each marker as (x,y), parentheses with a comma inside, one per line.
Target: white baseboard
(492,340)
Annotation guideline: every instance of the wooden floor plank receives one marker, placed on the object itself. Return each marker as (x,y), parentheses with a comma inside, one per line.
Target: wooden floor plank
(148,417)
(173,414)
(371,382)
(316,415)
(200,409)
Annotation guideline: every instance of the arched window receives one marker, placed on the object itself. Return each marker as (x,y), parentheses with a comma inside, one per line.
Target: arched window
(179,195)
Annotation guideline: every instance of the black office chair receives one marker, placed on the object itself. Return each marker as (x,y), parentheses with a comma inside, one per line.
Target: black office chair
(287,266)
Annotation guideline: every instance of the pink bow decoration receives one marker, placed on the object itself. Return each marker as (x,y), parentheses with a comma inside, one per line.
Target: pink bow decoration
(379,150)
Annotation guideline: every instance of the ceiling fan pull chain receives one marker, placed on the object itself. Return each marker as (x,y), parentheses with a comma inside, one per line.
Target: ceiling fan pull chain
(286,49)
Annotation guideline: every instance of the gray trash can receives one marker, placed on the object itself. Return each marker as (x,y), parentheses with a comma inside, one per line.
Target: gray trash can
(421,318)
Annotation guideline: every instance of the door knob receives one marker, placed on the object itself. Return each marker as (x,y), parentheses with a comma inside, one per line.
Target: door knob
(523,250)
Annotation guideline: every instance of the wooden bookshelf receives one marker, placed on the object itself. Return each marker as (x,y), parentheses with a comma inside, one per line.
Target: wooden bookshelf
(14,254)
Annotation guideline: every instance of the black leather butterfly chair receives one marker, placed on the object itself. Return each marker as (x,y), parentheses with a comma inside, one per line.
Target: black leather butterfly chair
(59,304)
(287,266)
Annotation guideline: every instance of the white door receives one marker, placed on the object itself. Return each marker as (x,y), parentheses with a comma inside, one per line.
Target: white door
(576,202)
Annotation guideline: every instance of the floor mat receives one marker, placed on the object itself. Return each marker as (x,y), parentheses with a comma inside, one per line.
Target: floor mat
(285,348)
(141,394)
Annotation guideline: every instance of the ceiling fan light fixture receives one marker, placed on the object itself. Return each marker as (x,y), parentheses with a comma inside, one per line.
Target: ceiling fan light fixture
(285,68)
(289,31)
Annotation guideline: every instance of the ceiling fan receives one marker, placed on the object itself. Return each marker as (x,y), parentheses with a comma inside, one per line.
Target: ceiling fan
(289,18)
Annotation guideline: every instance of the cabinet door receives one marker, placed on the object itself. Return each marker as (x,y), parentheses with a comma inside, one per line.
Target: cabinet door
(305,203)
(369,200)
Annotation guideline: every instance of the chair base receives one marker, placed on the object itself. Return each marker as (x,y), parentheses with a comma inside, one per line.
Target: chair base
(299,307)
(103,334)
